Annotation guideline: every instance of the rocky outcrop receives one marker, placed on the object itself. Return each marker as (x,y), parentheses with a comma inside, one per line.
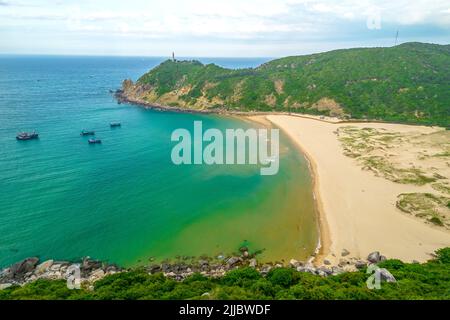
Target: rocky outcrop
(375,257)
(28,270)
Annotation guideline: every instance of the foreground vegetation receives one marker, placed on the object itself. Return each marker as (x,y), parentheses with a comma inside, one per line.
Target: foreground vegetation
(430,280)
(406,83)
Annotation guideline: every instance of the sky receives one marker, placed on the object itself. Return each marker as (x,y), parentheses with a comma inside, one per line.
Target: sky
(226,28)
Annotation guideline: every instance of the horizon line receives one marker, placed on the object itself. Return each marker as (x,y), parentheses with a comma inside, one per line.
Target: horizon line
(201,56)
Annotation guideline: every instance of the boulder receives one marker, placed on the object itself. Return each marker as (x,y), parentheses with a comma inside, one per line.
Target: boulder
(96,275)
(243,249)
(324,271)
(112,268)
(374,257)
(343,262)
(253,263)
(294,263)
(345,252)
(154,268)
(307,268)
(327,262)
(5,285)
(321,273)
(360,264)
(32,278)
(5,274)
(55,267)
(385,275)
(88,264)
(265,269)
(19,269)
(203,263)
(44,266)
(233,261)
(170,274)
(336,270)
(165,267)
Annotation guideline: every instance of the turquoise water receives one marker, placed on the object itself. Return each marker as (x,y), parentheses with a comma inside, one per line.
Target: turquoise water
(124,201)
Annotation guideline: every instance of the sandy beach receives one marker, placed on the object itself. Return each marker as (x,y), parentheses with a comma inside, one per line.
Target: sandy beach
(357,208)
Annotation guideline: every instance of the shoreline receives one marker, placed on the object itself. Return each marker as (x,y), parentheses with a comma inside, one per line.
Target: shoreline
(324,240)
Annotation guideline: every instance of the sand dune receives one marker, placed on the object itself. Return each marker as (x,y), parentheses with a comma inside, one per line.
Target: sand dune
(358,211)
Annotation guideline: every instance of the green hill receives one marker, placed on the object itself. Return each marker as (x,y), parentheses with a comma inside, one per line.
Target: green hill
(406,83)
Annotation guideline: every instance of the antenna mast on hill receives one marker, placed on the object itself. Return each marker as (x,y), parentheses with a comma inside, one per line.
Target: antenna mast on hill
(173,56)
(396,38)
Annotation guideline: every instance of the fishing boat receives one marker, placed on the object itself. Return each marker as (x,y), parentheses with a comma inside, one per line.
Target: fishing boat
(115,124)
(87,133)
(27,136)
(94,141)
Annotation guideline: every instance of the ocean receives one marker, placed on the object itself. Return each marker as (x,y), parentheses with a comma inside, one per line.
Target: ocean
(124,201)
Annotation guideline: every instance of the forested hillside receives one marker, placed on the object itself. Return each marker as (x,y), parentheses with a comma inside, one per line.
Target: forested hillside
(406,83)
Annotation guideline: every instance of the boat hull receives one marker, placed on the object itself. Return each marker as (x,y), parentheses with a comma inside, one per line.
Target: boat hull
(25,138)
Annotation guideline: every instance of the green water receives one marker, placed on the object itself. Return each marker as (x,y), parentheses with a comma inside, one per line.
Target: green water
(274,214)
(124,201)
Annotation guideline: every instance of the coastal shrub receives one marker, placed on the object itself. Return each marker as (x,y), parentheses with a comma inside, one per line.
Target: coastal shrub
(309,280)
(193,289)
(242,277)
(356,293)
(195,277)
(43,290)
(232,293)
(263,289)
(443,255)
(283,277)
(392,264)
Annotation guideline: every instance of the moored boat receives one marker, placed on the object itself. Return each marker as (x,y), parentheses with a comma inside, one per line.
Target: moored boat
(115,124)
(87,133)
(94,141)
(27,136)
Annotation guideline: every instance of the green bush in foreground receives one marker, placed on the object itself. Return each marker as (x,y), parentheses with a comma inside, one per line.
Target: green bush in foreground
(430,280)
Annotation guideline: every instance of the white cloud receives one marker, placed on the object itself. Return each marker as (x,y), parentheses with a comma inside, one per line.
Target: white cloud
(250,20)
(230,17)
